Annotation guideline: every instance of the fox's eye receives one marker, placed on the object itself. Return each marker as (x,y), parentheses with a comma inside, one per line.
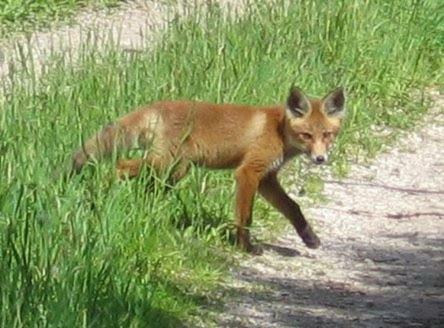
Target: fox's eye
(306,136)
(327,135)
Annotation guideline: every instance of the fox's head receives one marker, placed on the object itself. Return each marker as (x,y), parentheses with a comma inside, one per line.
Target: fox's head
(312,124)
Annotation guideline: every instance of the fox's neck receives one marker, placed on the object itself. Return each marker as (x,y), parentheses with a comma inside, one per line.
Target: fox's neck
(290,149)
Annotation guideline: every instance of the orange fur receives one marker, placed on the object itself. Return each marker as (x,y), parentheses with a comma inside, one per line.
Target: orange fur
(255,141)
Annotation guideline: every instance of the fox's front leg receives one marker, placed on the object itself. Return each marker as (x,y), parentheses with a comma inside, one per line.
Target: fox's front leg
(273,192)
(247,182)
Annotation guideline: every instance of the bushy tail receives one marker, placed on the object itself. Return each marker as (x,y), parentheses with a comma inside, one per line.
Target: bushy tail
(110,139)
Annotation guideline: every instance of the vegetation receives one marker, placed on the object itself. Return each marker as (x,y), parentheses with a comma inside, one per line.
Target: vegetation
(93,251)
(20,15)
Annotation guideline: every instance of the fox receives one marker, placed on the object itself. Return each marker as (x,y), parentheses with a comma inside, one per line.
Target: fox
(254,141)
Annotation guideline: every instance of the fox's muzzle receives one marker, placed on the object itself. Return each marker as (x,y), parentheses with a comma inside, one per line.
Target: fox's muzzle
(319,159)
(319,152)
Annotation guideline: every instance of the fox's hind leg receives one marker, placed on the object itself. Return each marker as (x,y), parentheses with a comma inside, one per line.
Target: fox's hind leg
(129,168)
(176,169)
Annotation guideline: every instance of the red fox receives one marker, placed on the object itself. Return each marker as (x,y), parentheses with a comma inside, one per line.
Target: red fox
(255,141)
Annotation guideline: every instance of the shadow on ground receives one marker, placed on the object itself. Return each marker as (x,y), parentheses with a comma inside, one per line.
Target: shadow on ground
(405,288)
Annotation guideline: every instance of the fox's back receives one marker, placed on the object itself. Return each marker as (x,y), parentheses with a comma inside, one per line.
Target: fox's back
(211,134)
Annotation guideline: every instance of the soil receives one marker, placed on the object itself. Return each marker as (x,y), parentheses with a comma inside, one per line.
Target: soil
(381,263)
(133,26)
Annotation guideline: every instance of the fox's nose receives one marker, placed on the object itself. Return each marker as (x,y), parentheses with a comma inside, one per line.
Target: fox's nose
(319,159)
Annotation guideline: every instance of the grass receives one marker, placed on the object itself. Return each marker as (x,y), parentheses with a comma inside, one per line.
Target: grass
(25,15)
(93,251)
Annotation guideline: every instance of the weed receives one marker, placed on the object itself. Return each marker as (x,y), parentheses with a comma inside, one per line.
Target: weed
(92,251)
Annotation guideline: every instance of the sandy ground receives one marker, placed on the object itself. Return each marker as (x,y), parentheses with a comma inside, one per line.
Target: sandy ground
(381,263)
(133,26)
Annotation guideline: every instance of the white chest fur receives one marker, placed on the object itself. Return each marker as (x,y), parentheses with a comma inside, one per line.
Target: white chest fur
(276,164)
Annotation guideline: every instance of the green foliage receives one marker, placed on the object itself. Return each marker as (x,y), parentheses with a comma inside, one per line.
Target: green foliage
(93,251)
(18,15)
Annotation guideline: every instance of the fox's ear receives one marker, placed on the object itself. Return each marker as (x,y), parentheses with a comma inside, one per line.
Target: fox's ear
(334,103)
(298,102)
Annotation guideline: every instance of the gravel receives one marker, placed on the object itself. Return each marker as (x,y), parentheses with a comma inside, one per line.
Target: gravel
(133,26)
(381,263)
(382,259)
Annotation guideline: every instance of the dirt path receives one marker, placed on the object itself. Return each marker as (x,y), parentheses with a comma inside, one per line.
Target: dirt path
(381,263)
(133,26)
(382,259)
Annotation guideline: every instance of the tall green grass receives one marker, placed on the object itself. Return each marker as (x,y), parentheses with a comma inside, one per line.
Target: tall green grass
(26,15)
(93,251)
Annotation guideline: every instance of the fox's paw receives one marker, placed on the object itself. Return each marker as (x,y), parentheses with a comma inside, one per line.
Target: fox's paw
(310,239)
(128,168)
(255,250)
(252,249)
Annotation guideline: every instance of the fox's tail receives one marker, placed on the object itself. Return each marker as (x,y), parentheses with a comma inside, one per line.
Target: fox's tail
(112,138)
